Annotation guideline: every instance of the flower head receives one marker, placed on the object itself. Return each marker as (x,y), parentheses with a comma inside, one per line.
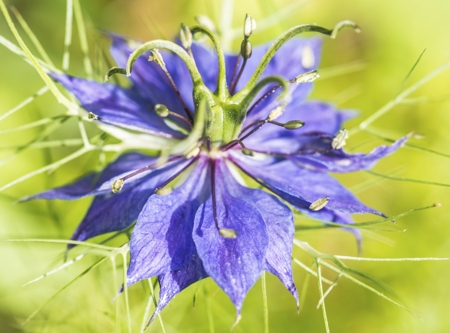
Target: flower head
(216,117)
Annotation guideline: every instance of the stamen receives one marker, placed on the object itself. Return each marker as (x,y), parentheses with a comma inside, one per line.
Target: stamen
(302,78)
(268,187)
(339,141)
(160,61)
(319,204)
(246,51)
(244,150)
(249,26)
(118,184)
(162,111)
(165,183)
(224,232)
(290,125)
(186,38)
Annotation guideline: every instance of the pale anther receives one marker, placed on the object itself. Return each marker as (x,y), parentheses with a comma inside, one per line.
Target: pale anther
(339,141)
(249,26)
(117,185)
(307,77)
(185,36)
(157,57)
(227,233)
(319,204)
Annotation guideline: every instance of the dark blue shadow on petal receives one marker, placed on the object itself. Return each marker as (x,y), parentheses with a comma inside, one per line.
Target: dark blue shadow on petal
(162,239)
(234,264)
(280,228)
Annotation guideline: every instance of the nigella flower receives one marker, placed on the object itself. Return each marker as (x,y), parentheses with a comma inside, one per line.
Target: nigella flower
(218,126)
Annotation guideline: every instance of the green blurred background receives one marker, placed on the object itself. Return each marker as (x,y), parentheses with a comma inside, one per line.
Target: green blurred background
(373,65)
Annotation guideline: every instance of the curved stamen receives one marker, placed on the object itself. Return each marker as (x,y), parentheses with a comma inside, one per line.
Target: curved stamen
(286,36)
(233,76)
(268,187)
(244,149)
(159,60)
(162,111)
(246,53)
(186,39)
(170,179)
(222,89)
(134,128)
(118,184)
(302,78)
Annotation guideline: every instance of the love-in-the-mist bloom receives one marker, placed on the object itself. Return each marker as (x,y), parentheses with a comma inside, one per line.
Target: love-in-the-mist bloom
(224,124)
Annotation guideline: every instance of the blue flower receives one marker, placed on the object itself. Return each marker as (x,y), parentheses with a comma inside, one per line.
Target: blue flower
(212,224)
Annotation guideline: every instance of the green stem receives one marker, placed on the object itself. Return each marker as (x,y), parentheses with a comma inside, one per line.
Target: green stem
(363,125)
(319,280)
(248,96)
(265,305)
(222,89)
(285,37)
(226,21)
(67,35)
(169,46)
(83,39)
(32,36)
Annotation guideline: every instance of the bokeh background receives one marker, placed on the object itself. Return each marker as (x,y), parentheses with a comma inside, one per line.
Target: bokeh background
(359,71)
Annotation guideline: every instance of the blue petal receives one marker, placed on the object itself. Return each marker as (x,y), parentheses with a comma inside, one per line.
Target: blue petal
(94,184)
(336,160)
(116,106)
(287,178)
(287,62)
(162,239)
(234,264)
(113,212)
(318,117)
(280,228)
(174,282)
